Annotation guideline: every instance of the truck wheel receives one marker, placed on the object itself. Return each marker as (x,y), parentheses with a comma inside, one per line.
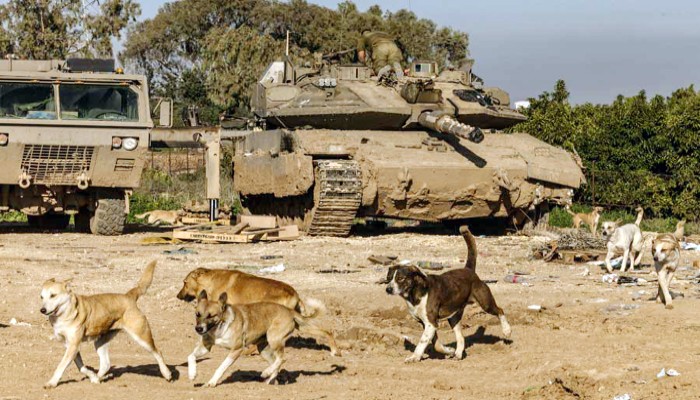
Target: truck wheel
(109,217)
(82,220)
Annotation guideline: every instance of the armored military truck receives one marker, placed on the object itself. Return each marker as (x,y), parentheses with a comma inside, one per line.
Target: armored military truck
(73,135)
(335,143)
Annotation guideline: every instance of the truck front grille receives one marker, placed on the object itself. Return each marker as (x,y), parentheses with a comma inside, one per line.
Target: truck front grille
(56,164)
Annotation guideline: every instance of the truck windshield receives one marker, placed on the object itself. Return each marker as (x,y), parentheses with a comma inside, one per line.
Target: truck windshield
(99,102)
(27,100)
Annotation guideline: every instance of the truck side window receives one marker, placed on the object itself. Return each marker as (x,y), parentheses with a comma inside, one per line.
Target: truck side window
(99,102)
(27,101)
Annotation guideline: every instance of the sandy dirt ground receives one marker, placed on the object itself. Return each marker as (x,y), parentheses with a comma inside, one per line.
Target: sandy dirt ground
(582,345)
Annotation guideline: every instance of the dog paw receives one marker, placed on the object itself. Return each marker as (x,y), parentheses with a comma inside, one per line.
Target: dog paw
(50,385)
(458,357)
(336,353)
(669,306)
(192,377)
(412,359)
(209,384)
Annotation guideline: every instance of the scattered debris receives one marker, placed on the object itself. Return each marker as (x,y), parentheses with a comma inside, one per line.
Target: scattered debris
(575,245)
(14,322)
(382,260)
(180,251)
(621,307)
(275,269)
(615,262)
(610,278)
(160,240)
(535,307)
(271,257)
(515,278)
(432,265)
(625,396)
(672,372)
(690,246)
(337,271)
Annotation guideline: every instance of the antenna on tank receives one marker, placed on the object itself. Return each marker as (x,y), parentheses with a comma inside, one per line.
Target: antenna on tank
(287,50)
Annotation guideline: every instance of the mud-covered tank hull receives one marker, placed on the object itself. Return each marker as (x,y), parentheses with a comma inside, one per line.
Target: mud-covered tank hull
(417,175)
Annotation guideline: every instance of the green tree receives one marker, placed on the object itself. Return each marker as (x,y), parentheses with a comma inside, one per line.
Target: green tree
(45,29)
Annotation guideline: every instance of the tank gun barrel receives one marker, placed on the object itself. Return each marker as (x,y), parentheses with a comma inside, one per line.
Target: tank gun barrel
(447,124)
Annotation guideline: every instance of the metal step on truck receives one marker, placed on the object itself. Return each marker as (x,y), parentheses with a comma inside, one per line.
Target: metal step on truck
(73,139)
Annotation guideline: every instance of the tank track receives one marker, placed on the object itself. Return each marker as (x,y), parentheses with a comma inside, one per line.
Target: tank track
(337,195)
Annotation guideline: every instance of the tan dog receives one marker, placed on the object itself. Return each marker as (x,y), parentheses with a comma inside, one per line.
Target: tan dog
(680,230)
(243,288)
(591,219)
(158,217)
(265,325)
(667,253)
(97,318)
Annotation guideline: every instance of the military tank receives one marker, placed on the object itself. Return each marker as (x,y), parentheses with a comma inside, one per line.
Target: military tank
(333,143)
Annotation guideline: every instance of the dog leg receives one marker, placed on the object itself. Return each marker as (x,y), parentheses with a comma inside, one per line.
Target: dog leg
(228,361)
(317,332)
(440,348)
(669,278)
(663,284)
(482,294)
(199,351)
(625,256)
(136,325)
(459,337)
(277,355)
(425,340)
(85,370)
(102,348)
(68,357)
(608,259)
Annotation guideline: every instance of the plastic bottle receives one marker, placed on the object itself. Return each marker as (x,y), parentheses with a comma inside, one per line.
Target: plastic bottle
(511,278)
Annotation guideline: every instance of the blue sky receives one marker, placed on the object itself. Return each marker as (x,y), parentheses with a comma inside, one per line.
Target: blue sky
(602,48)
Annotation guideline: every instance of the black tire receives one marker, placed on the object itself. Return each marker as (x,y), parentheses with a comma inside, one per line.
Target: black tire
(34,221)
(109,217)
(82,220)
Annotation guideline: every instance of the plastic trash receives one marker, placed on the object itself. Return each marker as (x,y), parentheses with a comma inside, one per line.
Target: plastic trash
(672,372)
(610,278)
(512,278)
(431,265)
(271,257)
(615,262)
(621,307)
(180,251)
(14,322)
(625,396)
(690,246)
(275,269)
(534,307)
(661,373)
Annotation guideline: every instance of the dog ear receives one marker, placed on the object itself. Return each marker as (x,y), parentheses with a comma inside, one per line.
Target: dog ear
(618,221)
(223,298)
(68,284)
(389,275)
(202,295)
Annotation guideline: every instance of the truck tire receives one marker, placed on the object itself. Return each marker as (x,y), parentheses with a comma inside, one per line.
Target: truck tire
(109,217)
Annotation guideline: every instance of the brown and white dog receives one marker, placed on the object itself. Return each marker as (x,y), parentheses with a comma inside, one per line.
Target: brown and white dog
(157,217)
(433,298)
(265,325)
(243,288)
(97,318)
(591,219)
(667,253)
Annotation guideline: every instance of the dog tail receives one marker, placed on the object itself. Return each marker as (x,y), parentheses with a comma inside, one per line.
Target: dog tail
(142,216)
(310,308)
(471,247)
(144,282)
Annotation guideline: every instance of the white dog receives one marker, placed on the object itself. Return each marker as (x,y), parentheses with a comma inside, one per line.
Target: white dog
(626,239)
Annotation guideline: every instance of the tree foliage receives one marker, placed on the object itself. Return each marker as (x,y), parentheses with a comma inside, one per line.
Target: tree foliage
(46,29)
(228,43)
(637,151)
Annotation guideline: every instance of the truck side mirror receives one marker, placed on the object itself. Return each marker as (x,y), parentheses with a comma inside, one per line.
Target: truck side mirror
(165,119)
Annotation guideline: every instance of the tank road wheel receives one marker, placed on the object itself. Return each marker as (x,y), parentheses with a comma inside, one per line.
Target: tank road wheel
(537,219)
(109,216)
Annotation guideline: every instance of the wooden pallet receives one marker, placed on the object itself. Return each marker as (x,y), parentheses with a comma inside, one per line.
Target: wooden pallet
(249,229)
